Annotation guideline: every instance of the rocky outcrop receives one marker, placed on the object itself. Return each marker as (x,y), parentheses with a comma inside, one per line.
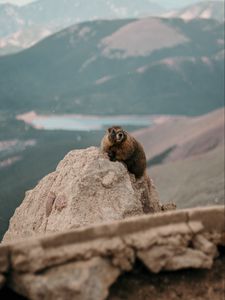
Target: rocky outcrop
(85,189)
(84,263)
(80,241)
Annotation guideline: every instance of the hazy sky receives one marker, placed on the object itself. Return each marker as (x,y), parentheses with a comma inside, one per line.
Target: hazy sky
(18,2)
(22,2)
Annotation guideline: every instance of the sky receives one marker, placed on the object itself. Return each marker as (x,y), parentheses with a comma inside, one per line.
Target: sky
(18,2)
(22,2)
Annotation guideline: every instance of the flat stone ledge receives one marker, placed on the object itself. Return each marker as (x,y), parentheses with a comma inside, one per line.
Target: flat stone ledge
(165,241)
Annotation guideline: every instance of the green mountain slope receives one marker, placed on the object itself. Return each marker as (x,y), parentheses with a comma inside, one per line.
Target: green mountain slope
(119,67)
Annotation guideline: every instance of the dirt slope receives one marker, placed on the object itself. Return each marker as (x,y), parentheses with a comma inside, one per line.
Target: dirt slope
(192,182)
(188,136)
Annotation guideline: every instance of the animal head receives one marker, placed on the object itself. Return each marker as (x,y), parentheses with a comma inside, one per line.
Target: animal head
(116,134)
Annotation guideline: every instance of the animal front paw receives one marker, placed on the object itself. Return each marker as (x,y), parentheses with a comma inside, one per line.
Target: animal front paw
(111,156)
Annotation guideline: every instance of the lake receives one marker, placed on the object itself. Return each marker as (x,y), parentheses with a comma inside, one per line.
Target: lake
(83,122)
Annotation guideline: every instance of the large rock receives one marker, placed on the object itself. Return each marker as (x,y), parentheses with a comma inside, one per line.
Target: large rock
(86,188)
(80,280)
(83,263)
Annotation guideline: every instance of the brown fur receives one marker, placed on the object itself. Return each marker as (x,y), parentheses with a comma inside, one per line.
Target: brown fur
(127,150)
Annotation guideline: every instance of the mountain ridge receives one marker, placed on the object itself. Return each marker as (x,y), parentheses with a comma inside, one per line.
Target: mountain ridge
(203,9)
(52,16)
(79,77)
(23,26)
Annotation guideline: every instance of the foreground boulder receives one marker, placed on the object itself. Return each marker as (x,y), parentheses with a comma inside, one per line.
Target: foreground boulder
(85,189)
(83,263)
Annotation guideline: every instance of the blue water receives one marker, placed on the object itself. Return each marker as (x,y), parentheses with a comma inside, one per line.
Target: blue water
(87,123)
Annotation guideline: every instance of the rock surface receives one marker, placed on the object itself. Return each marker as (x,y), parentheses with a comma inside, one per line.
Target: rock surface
(189,284)
(83,263)
(82,260)
(85,189)
(78,280)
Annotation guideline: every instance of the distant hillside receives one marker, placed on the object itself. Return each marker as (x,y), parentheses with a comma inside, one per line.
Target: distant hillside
(42,18)
(183,137)
(59,14)
(22,39)
(205,10)
(186,159)
(119,66)
(193,182)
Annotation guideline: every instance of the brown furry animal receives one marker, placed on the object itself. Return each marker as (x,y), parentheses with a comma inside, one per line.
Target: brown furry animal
(121,146)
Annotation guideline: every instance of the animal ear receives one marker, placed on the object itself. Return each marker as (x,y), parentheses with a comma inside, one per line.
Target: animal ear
(125,133)
(109,129)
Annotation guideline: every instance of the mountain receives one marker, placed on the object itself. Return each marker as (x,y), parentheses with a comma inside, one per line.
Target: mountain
(62,13)
(186,158)
(178,138)
(174,4)
(66,11)
(10,19)
(193,182)
(119,66)
(44,17)
(205,10)
(22,39)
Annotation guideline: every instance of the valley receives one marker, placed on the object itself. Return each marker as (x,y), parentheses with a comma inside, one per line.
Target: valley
(84,122)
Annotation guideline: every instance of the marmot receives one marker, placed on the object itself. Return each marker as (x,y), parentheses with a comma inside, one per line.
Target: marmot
(121,146)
